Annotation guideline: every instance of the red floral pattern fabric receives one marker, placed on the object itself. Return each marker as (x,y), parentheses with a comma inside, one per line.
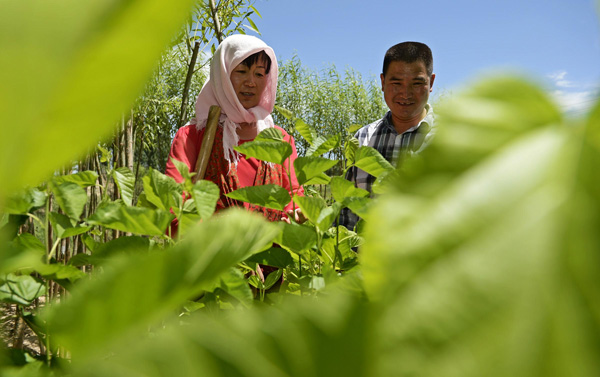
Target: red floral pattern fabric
(186,146)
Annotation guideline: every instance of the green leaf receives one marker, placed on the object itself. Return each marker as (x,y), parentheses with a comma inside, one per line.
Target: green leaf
(102,252)
(105,154)
(126,183)
(161,190)
(270,151)
(307,132)
(348,240)
(258,14)
(183,169)
(83,179)
(186,223)
(136,220)
(342,189)
(322,146)
(353,128)
(328,216)
(71,198)
(24,200)
(320,179)
(310,166)
(371,161)
(89,242)
(323,332)
(285,112)
(268,196)
(275,257)
(85,84)
(269,134)
(360,206)
(64,275)
(272,278)
(296,237)
(235,286)
(254,281)
(311,206)
(28,241)
(206,194)
(497,256)
(157,282)
(350,150)
(60,223)
(20,289)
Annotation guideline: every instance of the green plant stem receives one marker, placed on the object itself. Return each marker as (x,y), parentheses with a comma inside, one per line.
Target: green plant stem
(52,251)
(289,173)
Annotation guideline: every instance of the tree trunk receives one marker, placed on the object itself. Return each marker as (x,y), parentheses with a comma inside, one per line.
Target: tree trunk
(188,83)
(192,65)
(216,21)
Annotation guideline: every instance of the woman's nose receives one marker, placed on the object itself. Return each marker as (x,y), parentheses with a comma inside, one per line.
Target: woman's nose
(250,81)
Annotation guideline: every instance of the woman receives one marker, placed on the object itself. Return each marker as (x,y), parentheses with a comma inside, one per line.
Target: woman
(243,83)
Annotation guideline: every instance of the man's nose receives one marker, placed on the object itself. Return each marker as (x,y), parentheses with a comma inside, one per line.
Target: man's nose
(404,90)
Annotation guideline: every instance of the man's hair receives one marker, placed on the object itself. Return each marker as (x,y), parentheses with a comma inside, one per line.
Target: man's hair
(409,52)
(256,57)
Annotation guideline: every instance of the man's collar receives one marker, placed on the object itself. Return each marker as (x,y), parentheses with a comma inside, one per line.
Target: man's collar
(427,122)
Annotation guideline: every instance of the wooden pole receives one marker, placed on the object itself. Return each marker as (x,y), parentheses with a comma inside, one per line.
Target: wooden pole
(207,142)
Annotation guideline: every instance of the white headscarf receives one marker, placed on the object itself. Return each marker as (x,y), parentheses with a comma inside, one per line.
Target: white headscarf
(218,90)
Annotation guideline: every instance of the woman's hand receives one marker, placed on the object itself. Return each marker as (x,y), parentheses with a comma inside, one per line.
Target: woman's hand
(297,215)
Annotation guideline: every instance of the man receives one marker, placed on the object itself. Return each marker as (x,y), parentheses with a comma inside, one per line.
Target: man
(406,129)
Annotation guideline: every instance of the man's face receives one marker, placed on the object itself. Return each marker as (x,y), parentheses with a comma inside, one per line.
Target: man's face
(406,88)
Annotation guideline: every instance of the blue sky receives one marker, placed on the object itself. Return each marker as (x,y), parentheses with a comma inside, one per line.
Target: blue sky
(556,43)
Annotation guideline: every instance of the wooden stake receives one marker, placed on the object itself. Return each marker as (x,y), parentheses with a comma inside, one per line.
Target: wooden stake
(207,142)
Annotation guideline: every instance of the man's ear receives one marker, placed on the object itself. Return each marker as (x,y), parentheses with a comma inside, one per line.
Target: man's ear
(382,80)
(431,80)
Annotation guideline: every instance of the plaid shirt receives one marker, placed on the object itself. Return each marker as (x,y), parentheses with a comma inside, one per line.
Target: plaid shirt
(382,136)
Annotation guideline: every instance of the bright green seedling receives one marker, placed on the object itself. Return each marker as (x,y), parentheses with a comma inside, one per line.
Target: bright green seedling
(205,194)
(309,167)
(371,161)
(350,150)
(274,256)
(269,134)
(268,196)
(71,198)
(322,145)
(125,180)
(273,151)
(20,289)
(66,227)
(306,131)
(84,179)
(162,191)
(23,201)
(137,220)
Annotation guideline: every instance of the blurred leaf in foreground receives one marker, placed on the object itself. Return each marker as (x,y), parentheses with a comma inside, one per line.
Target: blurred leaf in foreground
(68,72)
(139,290)
(491,273)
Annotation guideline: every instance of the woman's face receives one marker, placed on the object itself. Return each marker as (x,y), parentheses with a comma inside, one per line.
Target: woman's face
(249,83)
